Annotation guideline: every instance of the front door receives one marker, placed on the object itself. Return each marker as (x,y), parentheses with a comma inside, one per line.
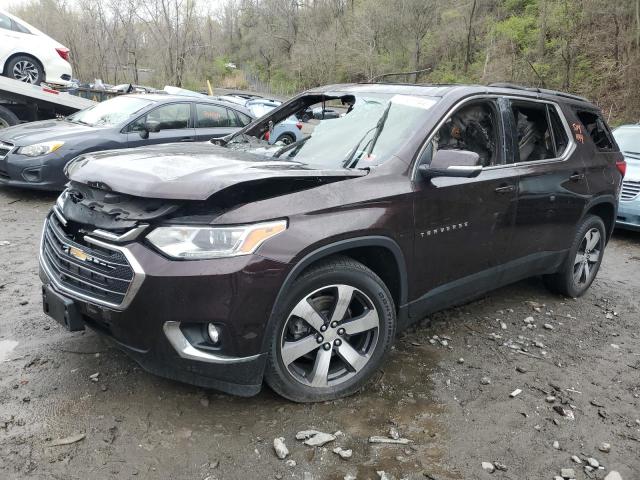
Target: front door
(463,226)
(173,120)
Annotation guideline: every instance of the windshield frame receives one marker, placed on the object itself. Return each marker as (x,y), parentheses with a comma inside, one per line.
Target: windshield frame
(258,128)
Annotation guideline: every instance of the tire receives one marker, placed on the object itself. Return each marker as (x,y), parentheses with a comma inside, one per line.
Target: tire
(344,327)
(7,118)
(286,138)
(25,69)
(573,279)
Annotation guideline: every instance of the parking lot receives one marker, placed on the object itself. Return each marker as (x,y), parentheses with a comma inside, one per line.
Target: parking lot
(446,388)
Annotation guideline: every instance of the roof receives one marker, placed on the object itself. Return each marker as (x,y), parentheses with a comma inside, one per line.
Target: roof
(440,90)
(166,98)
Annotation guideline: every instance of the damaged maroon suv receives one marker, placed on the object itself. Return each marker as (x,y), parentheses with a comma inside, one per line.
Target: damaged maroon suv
(231,263)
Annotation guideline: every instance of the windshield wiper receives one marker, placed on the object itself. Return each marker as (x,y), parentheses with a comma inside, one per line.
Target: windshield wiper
(371,143)
(286,148)
(631,153)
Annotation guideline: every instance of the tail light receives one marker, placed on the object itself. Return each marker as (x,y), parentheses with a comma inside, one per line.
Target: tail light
(299,125)
(64,53)
(622,167)
(266,136)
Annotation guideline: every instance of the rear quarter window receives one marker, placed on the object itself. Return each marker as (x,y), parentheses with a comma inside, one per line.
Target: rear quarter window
(596,128)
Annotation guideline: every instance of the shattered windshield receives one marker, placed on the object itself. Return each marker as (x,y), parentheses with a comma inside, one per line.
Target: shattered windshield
(110,112)
(355,131)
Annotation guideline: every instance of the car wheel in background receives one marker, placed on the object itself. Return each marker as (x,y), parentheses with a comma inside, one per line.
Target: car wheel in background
(26,69)
(583,261)
(7,118)
(332,331)
(286,139)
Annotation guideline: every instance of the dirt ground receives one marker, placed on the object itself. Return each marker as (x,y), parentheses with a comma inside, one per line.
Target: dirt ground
(450,395)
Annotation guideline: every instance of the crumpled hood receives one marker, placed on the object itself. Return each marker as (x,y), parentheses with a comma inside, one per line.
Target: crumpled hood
(186,172)
(43,131)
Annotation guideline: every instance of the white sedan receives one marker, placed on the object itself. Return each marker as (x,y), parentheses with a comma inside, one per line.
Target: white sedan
(28,55)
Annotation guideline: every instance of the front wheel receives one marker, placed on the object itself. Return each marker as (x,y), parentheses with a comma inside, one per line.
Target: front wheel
(583,261)
(332,332)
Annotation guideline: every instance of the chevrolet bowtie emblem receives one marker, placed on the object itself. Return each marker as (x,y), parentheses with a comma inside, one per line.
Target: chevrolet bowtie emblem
(79,254)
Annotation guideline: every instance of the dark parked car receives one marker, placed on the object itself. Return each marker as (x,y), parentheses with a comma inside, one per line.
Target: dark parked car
(33,155)
(225,264)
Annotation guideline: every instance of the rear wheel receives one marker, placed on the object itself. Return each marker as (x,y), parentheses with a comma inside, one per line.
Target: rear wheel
(583,262)
(25,69)
(332,332)
(286,139)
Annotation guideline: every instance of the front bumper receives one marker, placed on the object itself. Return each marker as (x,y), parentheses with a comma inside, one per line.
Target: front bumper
(40,173)
(236,294)
(628,216)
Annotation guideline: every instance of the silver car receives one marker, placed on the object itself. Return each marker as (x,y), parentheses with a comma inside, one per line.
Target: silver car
(628,138)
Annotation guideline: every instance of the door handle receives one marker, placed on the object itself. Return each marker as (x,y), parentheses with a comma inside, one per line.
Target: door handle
(187,139)
(506,189)
(576,177)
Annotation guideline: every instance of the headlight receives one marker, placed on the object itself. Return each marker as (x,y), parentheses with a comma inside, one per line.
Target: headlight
(192,243)
(39,149)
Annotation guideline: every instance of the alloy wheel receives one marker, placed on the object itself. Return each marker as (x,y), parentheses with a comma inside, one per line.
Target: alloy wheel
(25,71)
(329,336)
(587,257)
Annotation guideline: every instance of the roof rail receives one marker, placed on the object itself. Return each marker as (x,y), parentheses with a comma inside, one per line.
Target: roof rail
(539,90)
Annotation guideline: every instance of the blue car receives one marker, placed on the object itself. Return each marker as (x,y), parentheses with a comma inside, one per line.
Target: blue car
(628,138)
(285,132)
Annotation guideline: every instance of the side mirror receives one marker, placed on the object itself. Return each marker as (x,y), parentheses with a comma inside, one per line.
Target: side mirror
(152,126)
(452,163)
(149,127)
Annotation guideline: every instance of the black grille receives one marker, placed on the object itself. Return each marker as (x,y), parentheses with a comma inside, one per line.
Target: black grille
(630,190)
(104,274)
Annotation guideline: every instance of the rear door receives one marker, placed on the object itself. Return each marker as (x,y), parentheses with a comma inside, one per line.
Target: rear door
(552,191)
(175,123)
(463,226)
(214,121)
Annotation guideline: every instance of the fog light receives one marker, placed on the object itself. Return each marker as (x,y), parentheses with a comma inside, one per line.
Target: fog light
(214,333)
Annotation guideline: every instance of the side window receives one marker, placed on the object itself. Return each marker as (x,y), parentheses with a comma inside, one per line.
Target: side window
(598,131)
(19,28)
(540,132)
(211,116)
(243,119)
(5,22)
(473,128)
(169,117)
(560,137)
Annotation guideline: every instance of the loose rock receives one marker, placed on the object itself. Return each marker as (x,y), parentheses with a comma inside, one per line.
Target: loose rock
(485,380)
(604,447)
(399,441)
(576,459)
(344,454)
(567,473)
(488,467)
(515,393)
(593,462)
(613,475)
(280,448)
(319,439)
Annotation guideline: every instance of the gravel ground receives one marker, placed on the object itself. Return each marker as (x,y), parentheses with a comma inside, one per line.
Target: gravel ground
(446,387)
